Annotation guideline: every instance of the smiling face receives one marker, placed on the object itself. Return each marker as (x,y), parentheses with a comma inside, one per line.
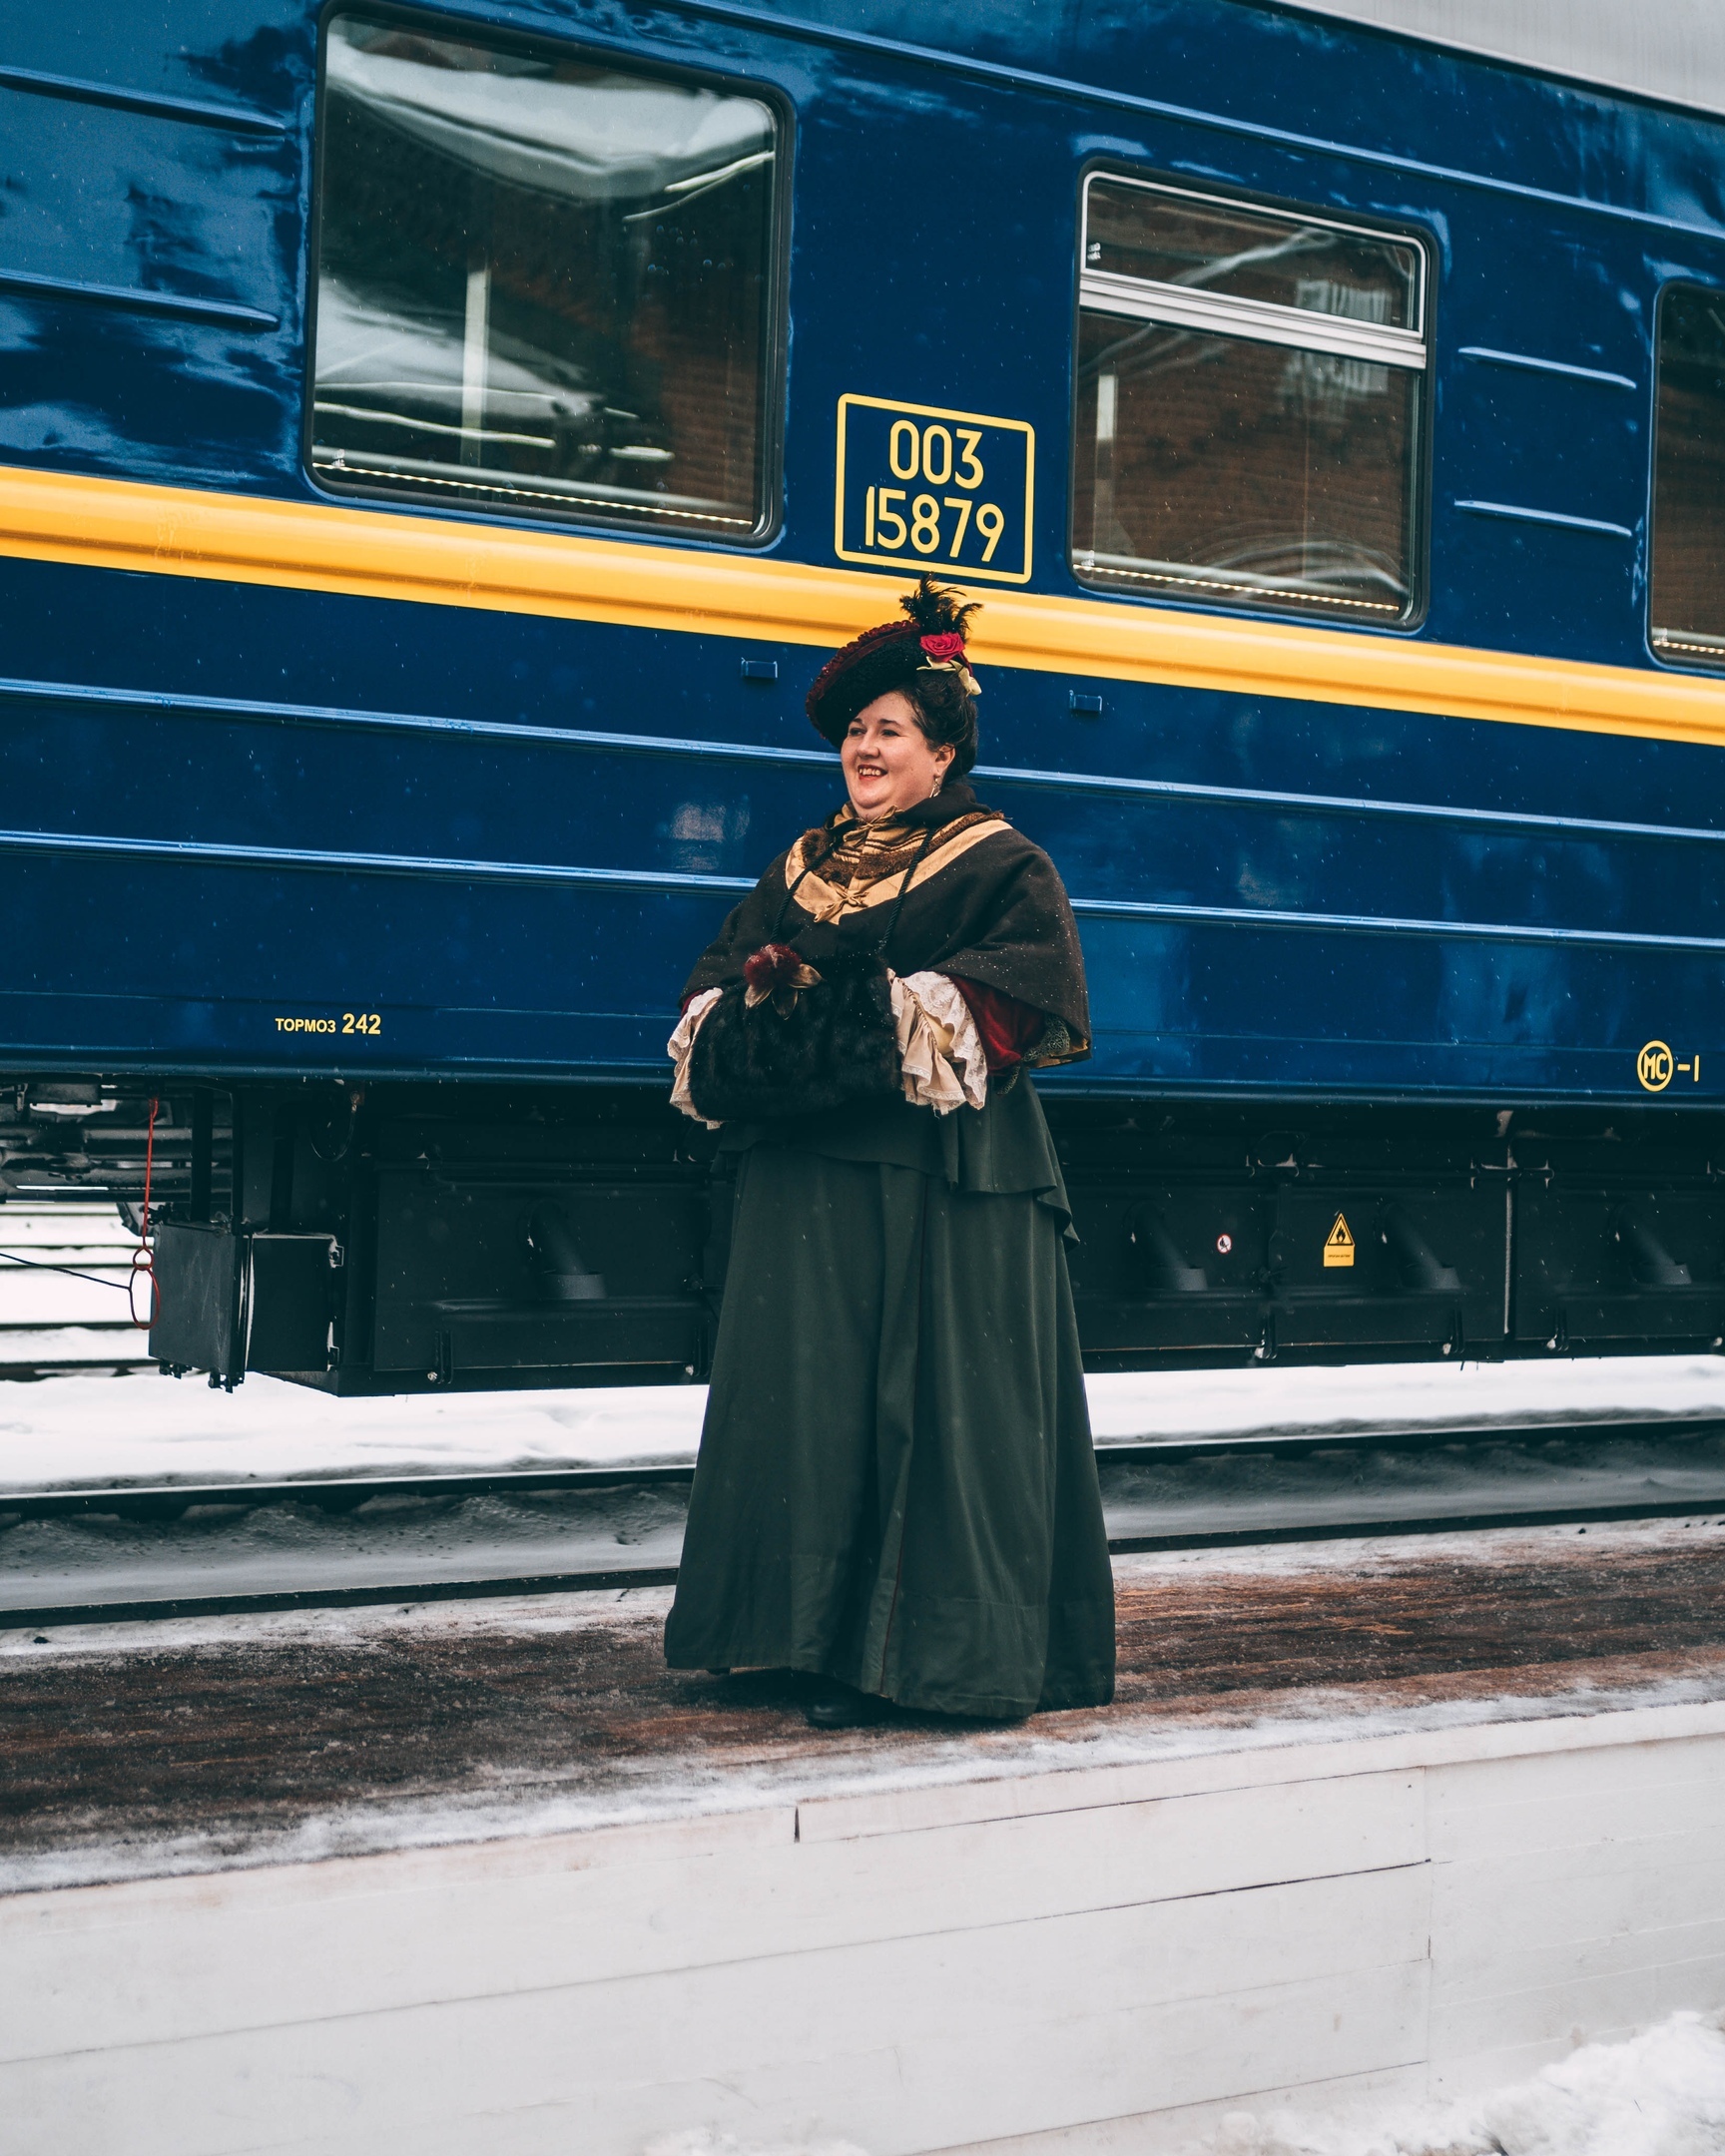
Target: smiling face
(889,762)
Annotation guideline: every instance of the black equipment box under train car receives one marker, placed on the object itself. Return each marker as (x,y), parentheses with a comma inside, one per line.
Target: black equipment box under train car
(403,1241)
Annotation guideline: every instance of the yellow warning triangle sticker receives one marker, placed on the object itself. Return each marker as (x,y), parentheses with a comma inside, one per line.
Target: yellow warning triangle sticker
(1339,1243)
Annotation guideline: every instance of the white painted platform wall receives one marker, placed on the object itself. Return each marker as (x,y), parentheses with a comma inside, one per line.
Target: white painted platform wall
(1102,1960)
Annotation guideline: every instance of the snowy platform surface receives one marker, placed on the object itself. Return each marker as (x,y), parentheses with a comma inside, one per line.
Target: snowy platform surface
(206,1743)
(93,1431)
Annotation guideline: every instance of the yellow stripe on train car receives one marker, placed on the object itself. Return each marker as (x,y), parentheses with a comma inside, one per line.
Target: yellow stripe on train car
(378,554)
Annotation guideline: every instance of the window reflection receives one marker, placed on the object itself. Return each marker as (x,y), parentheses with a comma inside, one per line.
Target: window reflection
(1248,406)
(542,285)
(1688,589)
(1240,252)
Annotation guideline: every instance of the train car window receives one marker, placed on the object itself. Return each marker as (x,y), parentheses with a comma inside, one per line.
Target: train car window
(1249,399)
(543,284)
(1688,583)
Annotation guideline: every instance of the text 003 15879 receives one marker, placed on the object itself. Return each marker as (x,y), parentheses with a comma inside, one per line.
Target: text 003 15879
(923,488)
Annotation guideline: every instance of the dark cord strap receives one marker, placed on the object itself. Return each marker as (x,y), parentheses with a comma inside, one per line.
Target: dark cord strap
(898,903)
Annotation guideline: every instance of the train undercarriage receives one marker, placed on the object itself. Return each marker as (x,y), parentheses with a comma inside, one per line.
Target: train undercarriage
(414,1237)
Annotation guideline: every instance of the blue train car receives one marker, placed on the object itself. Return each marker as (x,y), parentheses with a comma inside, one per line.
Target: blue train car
(437,444)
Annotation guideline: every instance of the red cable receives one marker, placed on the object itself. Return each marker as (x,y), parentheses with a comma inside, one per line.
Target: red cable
(142,1262)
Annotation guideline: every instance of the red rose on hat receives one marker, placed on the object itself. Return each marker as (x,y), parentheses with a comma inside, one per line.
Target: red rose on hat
(890,654)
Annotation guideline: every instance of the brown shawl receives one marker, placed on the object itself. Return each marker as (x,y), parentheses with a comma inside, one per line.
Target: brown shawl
(979,902)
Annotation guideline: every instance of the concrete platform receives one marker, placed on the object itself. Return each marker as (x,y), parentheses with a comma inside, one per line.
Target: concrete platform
(1369,1820)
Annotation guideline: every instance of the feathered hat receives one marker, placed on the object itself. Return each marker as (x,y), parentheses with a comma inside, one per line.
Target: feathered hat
(932,638)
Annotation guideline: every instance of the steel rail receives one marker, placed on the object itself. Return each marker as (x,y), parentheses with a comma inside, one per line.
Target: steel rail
(341,1494)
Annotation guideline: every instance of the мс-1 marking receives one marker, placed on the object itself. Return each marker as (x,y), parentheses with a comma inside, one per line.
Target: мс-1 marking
(920,487)
(1657,1065)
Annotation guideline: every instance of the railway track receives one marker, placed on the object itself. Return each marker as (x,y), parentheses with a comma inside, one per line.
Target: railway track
(120,1552)
(117,1555)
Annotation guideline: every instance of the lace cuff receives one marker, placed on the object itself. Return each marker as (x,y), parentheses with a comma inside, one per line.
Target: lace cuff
(939,1047)
(679,1047)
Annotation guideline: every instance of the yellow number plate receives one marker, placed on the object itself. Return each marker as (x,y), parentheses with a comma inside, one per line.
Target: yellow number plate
(922,488)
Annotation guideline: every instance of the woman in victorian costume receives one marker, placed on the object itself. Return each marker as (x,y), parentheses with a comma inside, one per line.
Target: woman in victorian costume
(895,1490)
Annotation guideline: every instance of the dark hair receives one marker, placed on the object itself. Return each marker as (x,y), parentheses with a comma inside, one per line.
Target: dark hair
(947,712)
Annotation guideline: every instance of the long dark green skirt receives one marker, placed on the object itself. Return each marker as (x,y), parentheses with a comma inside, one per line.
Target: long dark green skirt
(895,1484)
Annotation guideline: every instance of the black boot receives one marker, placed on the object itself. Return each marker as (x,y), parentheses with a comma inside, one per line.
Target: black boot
(842,1705)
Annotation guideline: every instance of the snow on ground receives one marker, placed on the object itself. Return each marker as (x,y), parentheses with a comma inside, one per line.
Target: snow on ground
(1421,1395)
(142,1427)
(145,1427)
(1660,2093)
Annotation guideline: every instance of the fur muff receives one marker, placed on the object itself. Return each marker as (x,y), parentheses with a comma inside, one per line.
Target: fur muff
(753,1062)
